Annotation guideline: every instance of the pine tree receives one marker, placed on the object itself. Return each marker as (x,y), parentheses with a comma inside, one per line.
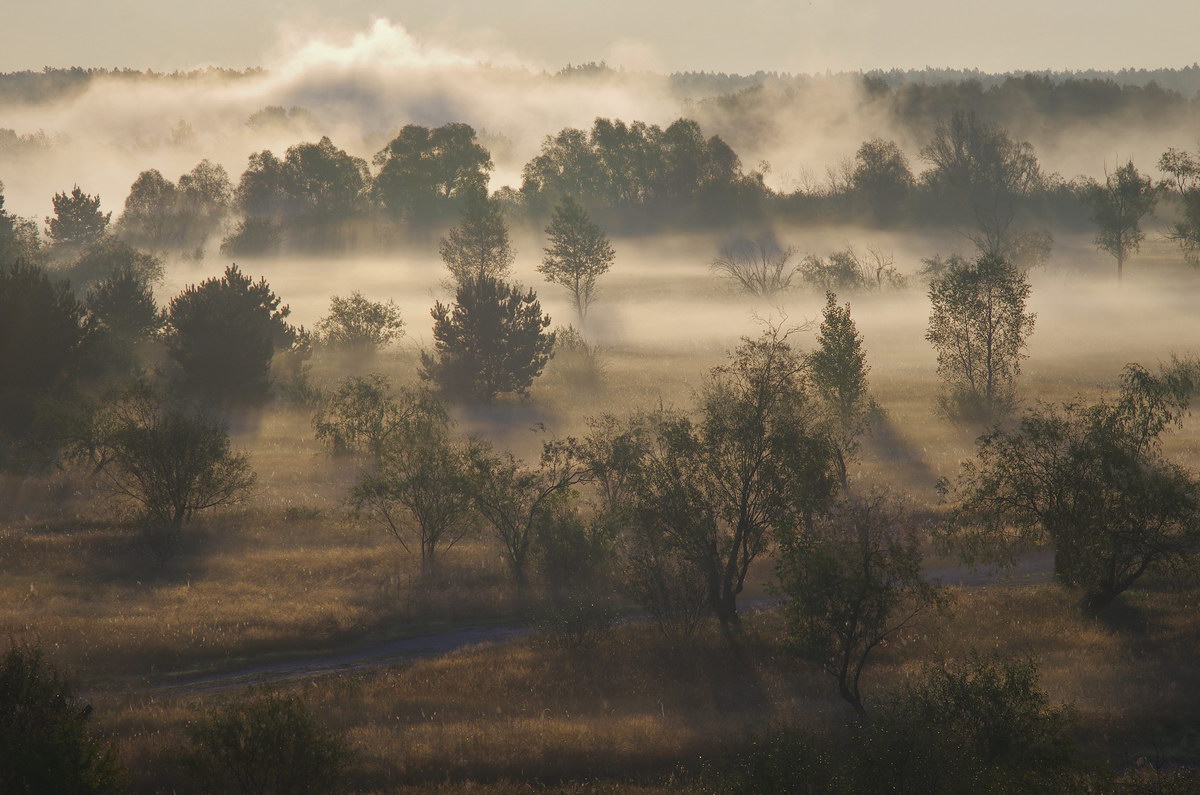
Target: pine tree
(77,220)
(493,340)
(578,254)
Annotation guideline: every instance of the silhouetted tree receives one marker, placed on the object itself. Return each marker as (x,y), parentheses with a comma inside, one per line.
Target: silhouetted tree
(881,176)
(223,334)
(46,743)
(755,466)
(1092,481)
(168,457)
(986,171)
(850,582)
(514,498)
(77,221)
(18,236)
(579,253)
(422,166)
(46,338)
(359,326)
(493,340)
(758,267)
(421,485)
(839,374)
(979,326)
(1118,207)
(478,247)
(108,257)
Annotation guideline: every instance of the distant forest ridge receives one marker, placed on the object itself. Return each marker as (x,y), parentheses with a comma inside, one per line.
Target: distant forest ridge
(31,87)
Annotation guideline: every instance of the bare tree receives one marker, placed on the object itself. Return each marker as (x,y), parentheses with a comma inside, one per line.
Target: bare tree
(758,267)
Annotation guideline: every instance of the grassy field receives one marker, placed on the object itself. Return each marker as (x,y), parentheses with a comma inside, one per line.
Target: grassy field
(293,572)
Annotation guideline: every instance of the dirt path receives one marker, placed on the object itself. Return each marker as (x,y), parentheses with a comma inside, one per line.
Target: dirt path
(1032,568)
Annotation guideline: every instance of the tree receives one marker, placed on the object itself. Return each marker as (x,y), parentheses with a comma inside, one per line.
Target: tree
(421,483)
(1091,481)
(365,414)
(493,340)
(359,326)
(46,743)
(46,338)
(77,221)
(758,267)
(579,253)
(851,582)
(754,467)
(987,173)
(514,498)
(881,176)
(223,334)
(839,375)
(1118,207)
(979,327)
(151,217)
(478,248)
(847,272)
(266,744)
(107,258)
(421,167)
(123,304)
(168,457)
(1184,169)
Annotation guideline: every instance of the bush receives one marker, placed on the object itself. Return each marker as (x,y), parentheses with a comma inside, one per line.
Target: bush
(223,333)
(359,326)
(45,743)
(978,726)
(267,744)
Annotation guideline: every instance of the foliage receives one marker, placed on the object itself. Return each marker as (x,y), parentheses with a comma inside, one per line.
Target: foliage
(579,362)
(223,334)
(169,458)
(267,744)
(364,414)
(979,327)
(881,176)
(754,467)
(579,253)
(253,237)
(845,271)
(985,171)
(515,499)
(123,304)
(1118,207)
(46,744)
(757,267)
(478,248)
(420,482)
(422,166)
(492,341)
(108,257)
(1091,481)
(839,376)
(161,215)
(18,236)
(77,221)
(46,337)
(358,325)
(852,581)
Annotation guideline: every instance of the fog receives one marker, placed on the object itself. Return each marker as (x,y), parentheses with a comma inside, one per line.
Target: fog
(360,88)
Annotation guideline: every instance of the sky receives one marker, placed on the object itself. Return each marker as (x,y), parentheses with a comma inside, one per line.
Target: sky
(657,35)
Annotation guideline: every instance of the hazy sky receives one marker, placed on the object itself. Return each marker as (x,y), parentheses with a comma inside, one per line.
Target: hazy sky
(661,34)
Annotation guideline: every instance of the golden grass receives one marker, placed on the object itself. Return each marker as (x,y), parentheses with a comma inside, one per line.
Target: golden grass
(629,709)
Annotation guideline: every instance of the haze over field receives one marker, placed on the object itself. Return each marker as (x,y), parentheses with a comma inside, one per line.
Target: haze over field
(580,396)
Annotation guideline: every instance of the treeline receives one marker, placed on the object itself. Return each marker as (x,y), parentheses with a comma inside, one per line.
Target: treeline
(50,84)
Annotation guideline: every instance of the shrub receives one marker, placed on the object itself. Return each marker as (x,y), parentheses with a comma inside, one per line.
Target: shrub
(359,326)
(45,743)
(266,744)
